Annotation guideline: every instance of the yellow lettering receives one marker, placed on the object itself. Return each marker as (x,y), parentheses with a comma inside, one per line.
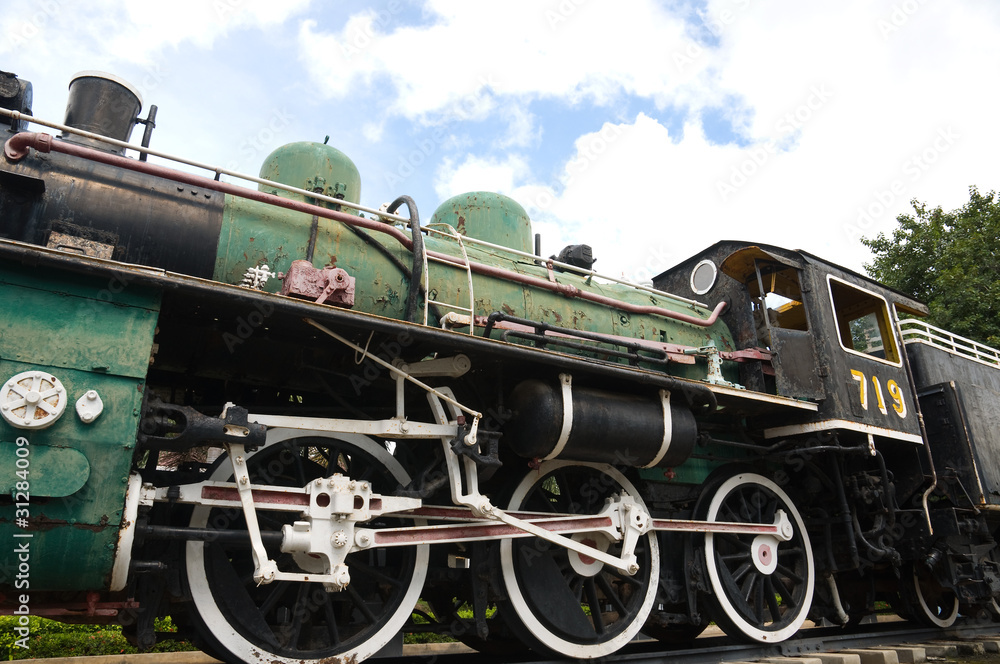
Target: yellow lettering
(878,395)
(860,377)
(897,396)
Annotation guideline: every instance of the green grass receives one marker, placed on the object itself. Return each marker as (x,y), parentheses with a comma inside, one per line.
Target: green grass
(50,638)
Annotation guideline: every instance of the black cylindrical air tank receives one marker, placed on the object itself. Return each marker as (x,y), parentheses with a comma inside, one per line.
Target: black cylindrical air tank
(604,427)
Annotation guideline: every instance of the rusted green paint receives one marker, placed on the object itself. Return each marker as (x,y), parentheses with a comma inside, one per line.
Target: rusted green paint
(91,334)
(314,167)
(255,234)
(696,470)
(44,329)
(54,472)
(249,229)
(487,216)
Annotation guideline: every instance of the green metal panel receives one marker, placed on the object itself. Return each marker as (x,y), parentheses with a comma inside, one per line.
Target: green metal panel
(314,167)
(94,325)
(487,216)
(54,472)
(91,334)
(254,234)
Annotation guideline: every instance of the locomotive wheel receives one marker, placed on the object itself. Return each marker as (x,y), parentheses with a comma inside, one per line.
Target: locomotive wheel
(292,622)
(559,601)
(925,600)
(762,587)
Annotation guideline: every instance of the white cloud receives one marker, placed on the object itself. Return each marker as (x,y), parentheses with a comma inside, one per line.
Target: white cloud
(118,31)
(842,111)
(522,127)
(577,51)
(842,116)
(478,174)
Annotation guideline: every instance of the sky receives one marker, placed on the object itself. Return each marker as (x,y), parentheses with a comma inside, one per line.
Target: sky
(646,129)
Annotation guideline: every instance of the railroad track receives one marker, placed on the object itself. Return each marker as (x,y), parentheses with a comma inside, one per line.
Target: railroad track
(968,638)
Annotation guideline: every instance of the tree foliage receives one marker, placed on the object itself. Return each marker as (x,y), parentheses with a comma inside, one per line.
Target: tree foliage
(949,260)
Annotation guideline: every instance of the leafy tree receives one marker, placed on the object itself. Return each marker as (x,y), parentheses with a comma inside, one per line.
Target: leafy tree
(949,260)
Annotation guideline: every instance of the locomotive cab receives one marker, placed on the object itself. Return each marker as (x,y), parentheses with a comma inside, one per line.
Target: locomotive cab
(824,333)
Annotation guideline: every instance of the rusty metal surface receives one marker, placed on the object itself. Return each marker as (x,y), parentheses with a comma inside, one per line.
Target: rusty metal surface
(795,364)
(16,147)
(329,284)
(144,219)
(223,297)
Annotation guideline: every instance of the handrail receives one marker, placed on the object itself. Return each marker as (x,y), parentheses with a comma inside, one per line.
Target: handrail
(16,148)
(453,233)
(918,331)
(218,170)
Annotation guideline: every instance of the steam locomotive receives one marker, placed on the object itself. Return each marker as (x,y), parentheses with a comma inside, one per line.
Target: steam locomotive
(302,427)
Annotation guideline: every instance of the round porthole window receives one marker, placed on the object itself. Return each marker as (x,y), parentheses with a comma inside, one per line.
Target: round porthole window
(703,277)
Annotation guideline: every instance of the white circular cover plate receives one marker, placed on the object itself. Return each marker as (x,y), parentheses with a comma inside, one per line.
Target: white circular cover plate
(32,400)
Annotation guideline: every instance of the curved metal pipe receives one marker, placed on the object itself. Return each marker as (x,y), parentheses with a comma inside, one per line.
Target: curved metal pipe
(417,238)
(16,148)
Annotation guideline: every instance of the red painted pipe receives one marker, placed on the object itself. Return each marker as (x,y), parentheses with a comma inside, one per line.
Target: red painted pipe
(16,148)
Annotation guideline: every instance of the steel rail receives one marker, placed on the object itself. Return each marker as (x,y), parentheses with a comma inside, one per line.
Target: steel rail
(706,649)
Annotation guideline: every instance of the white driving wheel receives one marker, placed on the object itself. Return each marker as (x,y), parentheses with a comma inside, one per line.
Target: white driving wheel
(564,602)
(762,586)
(292,622)
(927,601)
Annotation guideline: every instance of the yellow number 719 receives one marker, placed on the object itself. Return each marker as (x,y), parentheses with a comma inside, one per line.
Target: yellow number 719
(899,403)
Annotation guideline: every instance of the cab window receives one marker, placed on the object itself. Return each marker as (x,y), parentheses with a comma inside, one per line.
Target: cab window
(863,322)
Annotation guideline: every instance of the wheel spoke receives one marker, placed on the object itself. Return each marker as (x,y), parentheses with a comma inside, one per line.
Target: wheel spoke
(747,602)
(729,538)
(542,502)
(359,568)
(730,557)
(772,600)
(609,592)
(299,612)
(272,597)
(622,576)
(297,453)
(563,602)
(331,621)
(786,595)
(360,604)
(562,498)
(758,600)
(742,570)
(789,573)
(595,605)
(307,624)
(747,586)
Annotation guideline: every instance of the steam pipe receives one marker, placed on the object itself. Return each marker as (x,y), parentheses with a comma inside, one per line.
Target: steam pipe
(17,116)
(417,238)
(16,148)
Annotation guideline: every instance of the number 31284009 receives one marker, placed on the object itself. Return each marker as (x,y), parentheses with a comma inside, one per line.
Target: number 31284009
(898,403)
